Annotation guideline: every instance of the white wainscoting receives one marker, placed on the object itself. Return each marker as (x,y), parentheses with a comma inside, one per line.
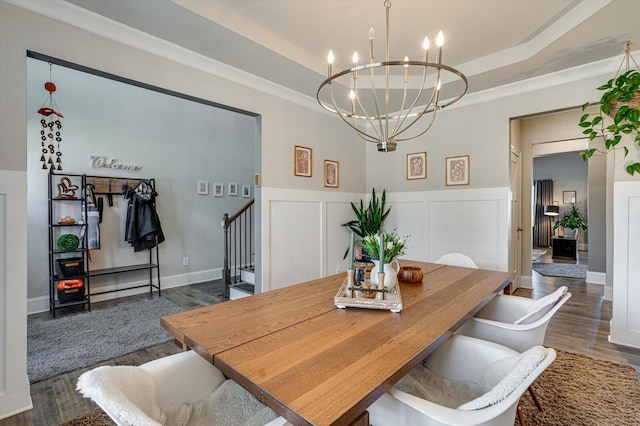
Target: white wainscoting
(625,321)
(302,236)
(474,222)
(14,385)
(303,240)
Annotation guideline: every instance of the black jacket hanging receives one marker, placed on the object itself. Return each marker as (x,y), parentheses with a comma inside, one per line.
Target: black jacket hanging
(143,230)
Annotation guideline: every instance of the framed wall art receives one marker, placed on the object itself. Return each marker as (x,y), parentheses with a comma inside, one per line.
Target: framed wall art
(457,169)
(331,173)
(302,161)
(203,187)
(218,190)
(233,189)
(417,165)
(246,191)
(568,197)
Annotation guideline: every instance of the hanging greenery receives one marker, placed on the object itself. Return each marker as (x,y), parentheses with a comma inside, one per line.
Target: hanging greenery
(620,101)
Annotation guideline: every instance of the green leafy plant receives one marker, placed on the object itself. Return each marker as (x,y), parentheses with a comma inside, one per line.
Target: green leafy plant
(572,219)
(393,245)
(369,220)
(626,120)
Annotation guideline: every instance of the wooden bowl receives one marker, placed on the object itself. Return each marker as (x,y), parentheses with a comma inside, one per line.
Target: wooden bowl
(410,274)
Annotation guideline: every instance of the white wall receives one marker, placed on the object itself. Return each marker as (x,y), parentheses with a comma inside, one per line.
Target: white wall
(473,222)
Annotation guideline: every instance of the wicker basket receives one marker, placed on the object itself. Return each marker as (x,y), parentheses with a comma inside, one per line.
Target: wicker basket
(633,103)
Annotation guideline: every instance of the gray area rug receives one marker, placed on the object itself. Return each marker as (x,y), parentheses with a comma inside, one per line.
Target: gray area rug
(212,288)
(567,270)
(76,341)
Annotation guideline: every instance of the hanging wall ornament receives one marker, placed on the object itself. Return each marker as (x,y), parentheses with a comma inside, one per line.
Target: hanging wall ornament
(51,130)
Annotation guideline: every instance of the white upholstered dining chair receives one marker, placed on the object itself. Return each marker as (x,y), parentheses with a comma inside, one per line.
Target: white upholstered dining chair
(457,259)
(173,390)
(466,381)
(516,322)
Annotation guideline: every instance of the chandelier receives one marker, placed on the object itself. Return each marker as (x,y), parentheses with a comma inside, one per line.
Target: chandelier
(394,95)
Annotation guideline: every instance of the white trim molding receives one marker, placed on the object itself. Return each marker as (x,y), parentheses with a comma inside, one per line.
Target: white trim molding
(625,318)
(302,236)
(14,384)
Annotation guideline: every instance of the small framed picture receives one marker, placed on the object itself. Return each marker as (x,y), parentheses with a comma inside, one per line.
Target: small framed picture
(331,173)
(568,197)
(302,161)
(233,189)
(203,187)
(417,165)
(218,190)
(246,191)
(457,169)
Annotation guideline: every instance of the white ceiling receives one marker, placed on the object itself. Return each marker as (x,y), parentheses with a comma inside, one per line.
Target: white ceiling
(493,42)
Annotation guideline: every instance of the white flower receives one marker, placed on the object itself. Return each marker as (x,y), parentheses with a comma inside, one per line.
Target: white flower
(390,245)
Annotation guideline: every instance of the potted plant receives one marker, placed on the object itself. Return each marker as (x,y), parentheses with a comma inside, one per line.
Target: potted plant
(368,220)
(620,101)
(572,220)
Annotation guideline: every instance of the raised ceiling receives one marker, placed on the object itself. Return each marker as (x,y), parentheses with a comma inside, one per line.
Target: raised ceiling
(494,42)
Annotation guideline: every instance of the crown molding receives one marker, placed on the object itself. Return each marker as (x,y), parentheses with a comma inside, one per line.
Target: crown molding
(78,17)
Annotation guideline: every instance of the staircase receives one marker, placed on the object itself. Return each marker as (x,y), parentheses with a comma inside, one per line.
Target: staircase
(238,275)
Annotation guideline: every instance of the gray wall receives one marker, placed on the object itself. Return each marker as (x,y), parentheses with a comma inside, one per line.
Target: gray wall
(598,213)
(175,141)
(568,173)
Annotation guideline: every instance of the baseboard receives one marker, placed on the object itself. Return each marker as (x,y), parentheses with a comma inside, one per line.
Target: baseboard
(608,293)
(596,278)
(623,337)
(41,304)
(526,282)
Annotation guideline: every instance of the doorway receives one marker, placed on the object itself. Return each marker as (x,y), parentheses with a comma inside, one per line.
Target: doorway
(549,134)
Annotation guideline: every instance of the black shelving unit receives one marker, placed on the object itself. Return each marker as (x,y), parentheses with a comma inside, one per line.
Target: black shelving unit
(74,202)
(103,185)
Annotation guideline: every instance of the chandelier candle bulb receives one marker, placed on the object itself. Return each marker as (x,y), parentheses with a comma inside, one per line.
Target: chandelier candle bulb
(406,70)
(330,61)
(425,46)
(372,35)
(354,59)
(439,43)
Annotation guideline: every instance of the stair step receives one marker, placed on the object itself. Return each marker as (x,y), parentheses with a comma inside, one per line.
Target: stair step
(241,290)
(248,275)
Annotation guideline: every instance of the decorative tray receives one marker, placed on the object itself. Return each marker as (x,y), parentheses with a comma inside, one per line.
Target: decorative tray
(391,301)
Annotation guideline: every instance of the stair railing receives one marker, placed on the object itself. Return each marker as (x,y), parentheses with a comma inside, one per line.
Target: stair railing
(238,245)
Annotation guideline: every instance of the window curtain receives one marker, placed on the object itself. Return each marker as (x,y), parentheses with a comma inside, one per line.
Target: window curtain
(543,225)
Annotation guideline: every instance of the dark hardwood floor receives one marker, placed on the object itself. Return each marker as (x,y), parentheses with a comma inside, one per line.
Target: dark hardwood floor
(582,326)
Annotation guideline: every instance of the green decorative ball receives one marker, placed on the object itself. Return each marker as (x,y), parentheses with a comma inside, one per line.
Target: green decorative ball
(67,242)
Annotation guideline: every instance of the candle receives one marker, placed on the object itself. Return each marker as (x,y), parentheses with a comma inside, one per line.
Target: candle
(351,250)
(381,268)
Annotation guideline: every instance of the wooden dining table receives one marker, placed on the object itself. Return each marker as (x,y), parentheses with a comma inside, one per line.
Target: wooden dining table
(315,364)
